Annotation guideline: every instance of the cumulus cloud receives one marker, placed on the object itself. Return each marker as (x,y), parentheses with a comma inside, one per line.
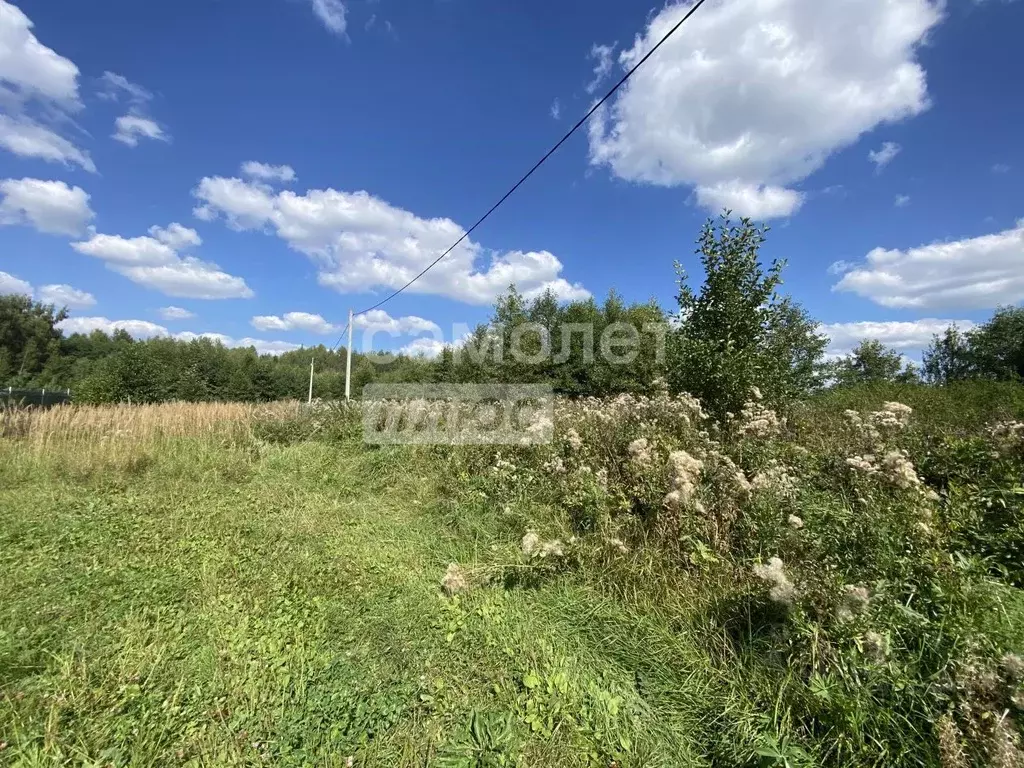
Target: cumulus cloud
(556,110)
(332,15)
(360,242)
(904,336)
(49,206)
(379,320)
(293,321)
(974,273)
(136,124)
(1000,168)
(262,346)
(175,313)
(143,329)
(140,329)
(763,202)
(27,138)
(884,155)
(63,295)
(902,201)
(10,284)
(176,236)
(130,128)
(28,68)
(35,81)
(155,262)
(264,172)
(754,95)
(429,348)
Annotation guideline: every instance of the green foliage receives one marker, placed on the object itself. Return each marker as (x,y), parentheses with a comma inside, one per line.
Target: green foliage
(274,598)
(997,347)
(871,362)
(994,350)
(29,342)
(738,332)
(485,743)
(948,357)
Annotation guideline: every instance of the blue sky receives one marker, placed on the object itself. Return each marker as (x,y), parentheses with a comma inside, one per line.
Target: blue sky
(265,166)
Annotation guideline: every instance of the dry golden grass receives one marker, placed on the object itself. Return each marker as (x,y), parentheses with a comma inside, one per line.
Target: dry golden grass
(88,432)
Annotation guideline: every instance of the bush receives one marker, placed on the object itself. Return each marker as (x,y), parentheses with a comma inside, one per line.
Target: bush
(862,559)
(738,335)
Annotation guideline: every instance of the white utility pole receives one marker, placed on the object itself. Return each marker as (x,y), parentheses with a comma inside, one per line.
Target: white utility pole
(310,400)
(348,360)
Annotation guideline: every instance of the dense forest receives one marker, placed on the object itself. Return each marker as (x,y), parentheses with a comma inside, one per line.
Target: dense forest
(736,332)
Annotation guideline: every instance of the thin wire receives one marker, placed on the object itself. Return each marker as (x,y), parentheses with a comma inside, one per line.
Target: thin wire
(538,164)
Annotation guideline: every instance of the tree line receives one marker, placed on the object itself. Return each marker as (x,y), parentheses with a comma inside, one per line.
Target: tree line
(733,333)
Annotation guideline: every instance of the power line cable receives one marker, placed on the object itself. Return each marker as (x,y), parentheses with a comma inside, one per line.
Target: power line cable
(597,105)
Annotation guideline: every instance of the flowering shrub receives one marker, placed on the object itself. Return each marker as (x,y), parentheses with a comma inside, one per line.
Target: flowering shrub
(849,550)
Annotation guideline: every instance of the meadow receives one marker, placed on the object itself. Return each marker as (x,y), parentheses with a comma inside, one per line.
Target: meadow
(227,584)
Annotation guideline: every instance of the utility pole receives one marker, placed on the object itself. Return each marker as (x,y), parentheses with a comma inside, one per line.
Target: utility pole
(348,361)
(310,400)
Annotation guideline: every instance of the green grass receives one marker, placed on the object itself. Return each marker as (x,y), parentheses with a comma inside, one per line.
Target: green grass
(286,609)
(212,602)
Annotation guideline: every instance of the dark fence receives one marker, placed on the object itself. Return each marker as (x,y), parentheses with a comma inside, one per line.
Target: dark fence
(9,396)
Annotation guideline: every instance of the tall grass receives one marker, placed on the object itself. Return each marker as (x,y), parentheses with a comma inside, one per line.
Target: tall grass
(91,437)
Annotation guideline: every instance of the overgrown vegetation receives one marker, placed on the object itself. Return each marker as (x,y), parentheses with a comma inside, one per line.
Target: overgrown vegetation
(841,589)
(735,555)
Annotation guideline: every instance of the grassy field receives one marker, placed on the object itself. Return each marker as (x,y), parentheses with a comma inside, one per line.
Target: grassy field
(219,585)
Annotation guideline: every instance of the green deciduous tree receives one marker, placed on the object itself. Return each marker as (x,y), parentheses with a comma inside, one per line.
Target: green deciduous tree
(738,333)
(871,362)
(28,330)
(993,350)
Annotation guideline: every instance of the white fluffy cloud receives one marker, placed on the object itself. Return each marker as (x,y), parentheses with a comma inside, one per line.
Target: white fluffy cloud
(49,206)
(756,94)
(905,337)
(136,124)
(11,284)
(293,321)
(764,202)
(974,273)
(63,295)
(27,138)
(130,128)
(143,329)
(175,313)
(360,242)
(264,172)
(332,14)
(377,320)
(425,347)
(140,329)
(431,347)
(176,236)
(884,155)
(35,79)
(155,262)
(263,346)
(902,201)
(28,68)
